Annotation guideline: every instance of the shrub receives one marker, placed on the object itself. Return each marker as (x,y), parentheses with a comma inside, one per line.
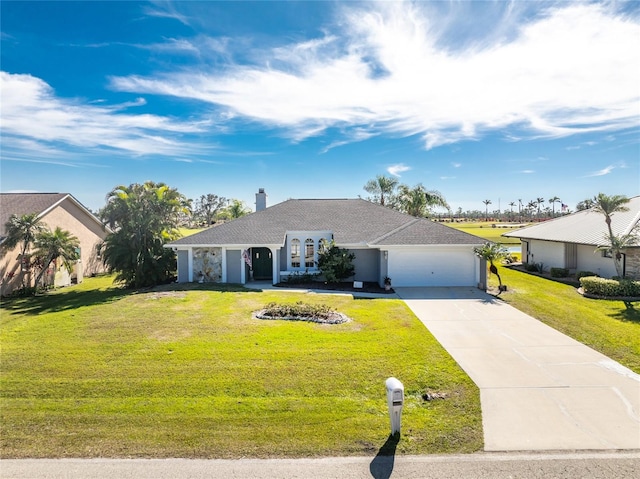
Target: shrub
(583,274)
(559,272)
(534,267)
(335,263)
(610,287)
(297,310)
(301,278)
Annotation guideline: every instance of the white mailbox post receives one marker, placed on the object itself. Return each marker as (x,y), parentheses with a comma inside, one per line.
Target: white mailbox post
(395,400)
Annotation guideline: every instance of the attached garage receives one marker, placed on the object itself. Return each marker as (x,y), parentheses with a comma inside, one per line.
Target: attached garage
(433,266)
(411,251)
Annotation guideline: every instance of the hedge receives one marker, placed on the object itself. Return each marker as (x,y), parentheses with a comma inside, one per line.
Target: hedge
(610,287)
(559,272)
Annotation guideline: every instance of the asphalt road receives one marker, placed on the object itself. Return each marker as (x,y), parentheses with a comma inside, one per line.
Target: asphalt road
(591,465)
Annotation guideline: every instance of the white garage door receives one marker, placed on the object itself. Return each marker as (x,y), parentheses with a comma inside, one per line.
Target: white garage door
(435,267)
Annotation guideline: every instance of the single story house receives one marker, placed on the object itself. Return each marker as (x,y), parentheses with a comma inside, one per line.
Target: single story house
(54,210)
(570,242)
(284,239)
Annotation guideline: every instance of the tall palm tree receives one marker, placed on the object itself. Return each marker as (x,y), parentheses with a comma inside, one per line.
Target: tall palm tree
(22,230)
(418,201)
(51,245)
(608,206)
(511,205)
(520,209)
(382,187)
(486,209)
(553,202)
(539,201)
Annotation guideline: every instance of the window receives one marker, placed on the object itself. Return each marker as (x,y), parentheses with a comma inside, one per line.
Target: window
(607,253)
(295,253)
(308,253)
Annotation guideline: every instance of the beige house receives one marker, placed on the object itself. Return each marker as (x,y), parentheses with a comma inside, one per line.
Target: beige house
(55,210)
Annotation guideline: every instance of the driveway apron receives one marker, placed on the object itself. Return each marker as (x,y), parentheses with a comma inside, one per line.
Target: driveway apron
(539,389)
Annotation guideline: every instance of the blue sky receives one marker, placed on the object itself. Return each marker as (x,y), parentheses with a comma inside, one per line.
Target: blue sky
(478,100)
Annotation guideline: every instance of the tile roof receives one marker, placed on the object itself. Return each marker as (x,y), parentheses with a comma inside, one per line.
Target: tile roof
(352,221)
(583,227)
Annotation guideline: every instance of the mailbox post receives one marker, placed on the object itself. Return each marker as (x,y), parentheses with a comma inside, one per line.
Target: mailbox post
(395,401)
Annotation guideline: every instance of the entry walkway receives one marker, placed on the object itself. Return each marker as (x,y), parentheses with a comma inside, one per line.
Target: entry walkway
(539,389)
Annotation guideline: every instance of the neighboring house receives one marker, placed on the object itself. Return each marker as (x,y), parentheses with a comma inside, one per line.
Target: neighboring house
(570,242)
(284,239)
(55,210)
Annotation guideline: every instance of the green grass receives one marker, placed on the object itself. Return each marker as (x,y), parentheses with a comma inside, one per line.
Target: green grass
(611,327)
(485,231)
(93,371)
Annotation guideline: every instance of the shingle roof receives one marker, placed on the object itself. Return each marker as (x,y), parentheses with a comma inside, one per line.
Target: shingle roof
(584,227)
(27,203)
(352,221)
(24,204)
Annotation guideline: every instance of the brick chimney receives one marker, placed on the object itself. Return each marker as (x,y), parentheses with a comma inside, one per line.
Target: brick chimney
(261,200)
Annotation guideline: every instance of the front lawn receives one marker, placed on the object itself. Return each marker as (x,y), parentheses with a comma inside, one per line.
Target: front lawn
(185,371)
(611,327)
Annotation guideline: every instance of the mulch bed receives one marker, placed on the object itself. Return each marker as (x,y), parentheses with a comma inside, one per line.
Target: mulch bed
(345,286)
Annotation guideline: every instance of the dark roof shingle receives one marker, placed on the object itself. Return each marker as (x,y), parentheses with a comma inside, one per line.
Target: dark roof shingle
(352,221)
(24,204)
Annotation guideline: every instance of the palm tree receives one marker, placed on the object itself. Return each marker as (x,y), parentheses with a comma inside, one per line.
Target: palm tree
(53,245)
(237,209)
(143,217)
(492,252)
(553,202)
(418,201)
(22,230)
(520,209)
(608,206)
(539,201)
(486,209)
(381,187)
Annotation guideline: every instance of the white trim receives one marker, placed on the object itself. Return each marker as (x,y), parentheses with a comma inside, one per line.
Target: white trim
(223,276)
(79,205)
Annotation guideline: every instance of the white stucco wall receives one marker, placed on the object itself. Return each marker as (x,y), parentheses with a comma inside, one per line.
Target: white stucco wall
(550,254)
(591,260)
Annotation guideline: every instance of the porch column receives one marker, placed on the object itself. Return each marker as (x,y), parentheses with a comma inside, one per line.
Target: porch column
(243,275)
(223,276)
(275,266)
(190,263)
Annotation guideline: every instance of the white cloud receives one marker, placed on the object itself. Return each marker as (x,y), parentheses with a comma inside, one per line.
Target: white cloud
(165,9)
(456,165)
(395,170)
(570,69)
(35,120)
(602,172)
(527,172)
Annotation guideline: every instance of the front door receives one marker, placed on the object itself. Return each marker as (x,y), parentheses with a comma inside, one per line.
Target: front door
(262,263)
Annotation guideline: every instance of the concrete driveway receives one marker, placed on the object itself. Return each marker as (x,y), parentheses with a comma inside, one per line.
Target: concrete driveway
(539,389)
